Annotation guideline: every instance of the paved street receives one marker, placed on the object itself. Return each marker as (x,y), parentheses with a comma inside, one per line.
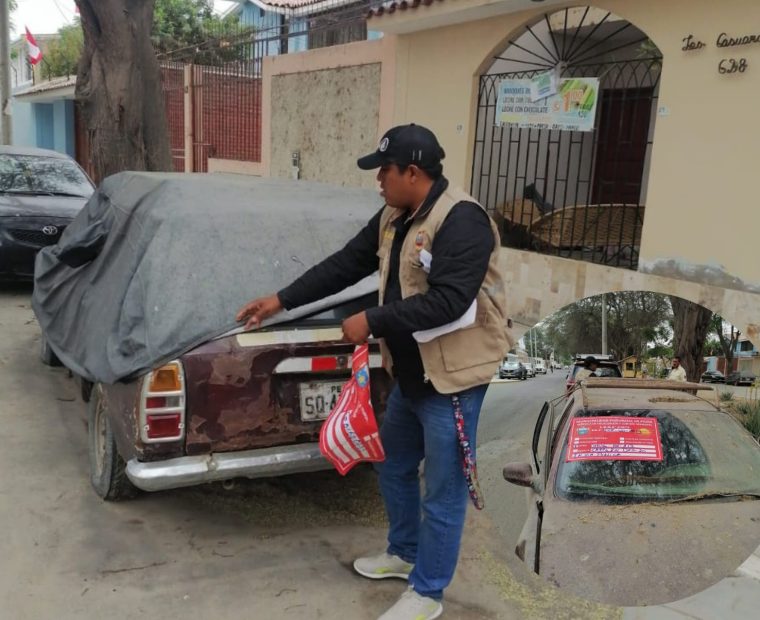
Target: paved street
(277,548)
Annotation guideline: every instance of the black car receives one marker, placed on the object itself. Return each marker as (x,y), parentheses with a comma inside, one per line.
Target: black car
(40,193)
(713,376)
(512,370)
(740,377)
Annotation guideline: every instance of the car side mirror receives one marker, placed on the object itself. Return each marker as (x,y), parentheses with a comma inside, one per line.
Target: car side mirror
(520,474)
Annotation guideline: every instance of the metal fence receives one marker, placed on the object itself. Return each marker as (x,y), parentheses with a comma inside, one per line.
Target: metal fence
(572,194)
(223,86)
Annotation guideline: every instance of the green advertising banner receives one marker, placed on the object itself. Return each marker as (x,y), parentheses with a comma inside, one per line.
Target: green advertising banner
(572,108)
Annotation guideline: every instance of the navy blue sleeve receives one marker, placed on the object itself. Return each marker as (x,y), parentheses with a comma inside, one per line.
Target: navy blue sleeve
(461,252)
(358,259)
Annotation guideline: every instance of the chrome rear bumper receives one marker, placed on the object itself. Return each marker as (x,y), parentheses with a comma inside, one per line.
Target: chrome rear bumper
(191,470)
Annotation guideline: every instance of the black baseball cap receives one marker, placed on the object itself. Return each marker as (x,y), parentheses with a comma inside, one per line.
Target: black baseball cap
(405,145)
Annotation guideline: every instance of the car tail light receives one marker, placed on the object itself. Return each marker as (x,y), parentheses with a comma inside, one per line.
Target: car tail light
(162,404)
(166,379)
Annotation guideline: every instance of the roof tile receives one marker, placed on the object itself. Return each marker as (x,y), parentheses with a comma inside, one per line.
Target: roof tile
(388,8)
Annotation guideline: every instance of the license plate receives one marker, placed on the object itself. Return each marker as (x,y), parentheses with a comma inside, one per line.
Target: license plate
(318,399)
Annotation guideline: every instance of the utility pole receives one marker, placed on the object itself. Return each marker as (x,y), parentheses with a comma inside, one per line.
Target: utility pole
(604,324)
(5,73)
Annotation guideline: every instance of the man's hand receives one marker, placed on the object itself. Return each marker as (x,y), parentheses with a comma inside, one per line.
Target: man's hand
(259,309)
(356,329)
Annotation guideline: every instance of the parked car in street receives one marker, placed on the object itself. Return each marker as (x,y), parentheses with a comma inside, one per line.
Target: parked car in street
(607,367)
(530,371)
(740,378)
(512,370)
(640,492)
(540,366)
(713,376)
(40,193)
(138,299)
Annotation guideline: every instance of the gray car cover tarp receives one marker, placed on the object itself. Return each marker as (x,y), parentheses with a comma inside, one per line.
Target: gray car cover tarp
(160,263)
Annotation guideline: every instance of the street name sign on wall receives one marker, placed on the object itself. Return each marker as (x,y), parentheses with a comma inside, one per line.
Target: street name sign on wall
(571,108)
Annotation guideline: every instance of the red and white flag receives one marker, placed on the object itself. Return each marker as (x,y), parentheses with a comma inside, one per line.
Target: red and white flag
(349,434)
(35,53)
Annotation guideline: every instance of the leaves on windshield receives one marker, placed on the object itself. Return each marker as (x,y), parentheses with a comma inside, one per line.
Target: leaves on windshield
(34,174)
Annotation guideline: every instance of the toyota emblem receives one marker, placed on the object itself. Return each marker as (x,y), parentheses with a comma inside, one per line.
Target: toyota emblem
(50,230)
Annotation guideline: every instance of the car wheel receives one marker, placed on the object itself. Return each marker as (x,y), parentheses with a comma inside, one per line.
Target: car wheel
(108,473)
(46,353)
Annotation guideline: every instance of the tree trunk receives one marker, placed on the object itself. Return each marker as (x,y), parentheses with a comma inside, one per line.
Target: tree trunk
(119,85)
(691,322)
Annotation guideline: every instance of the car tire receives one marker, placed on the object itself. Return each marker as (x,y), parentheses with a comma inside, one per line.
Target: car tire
(46,353)
(108,471)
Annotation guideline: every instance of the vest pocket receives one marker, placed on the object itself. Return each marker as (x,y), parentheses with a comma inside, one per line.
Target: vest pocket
(467,348)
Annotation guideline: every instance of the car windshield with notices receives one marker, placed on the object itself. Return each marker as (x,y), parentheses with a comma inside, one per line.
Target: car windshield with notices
(39,175)
(673,455)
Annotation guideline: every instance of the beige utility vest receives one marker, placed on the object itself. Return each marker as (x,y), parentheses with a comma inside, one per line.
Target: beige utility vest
(469,356)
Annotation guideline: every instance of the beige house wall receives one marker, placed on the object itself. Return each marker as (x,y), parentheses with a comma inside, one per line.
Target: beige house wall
(701,202)
(329,106)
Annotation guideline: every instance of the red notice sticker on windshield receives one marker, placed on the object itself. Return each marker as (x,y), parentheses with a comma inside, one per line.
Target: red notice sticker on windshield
(614,438)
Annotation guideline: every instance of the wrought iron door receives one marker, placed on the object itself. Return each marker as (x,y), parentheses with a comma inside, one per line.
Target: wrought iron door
(573,194)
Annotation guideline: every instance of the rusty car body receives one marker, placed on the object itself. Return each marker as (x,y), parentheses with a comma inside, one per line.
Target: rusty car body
(242,405)
(629,532)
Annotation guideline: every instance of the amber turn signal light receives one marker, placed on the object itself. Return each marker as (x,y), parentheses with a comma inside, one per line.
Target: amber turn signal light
(166,379)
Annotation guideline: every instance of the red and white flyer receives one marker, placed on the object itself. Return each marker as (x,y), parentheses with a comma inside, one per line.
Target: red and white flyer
(614,438)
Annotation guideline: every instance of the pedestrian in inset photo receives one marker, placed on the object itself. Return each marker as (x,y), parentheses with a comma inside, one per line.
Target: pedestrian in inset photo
(590,365)
(677,372)
(442,329)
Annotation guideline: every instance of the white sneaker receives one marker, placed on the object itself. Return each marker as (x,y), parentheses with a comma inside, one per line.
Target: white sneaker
(383,566)
(412,606)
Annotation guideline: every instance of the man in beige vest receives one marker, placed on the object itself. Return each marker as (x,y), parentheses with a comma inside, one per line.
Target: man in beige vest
(677,372)
(442,325)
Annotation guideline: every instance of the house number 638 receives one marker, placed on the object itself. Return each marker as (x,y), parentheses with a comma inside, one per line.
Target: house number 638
(732,65)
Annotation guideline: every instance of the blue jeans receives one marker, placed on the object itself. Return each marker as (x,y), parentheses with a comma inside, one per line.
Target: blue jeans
(426,533)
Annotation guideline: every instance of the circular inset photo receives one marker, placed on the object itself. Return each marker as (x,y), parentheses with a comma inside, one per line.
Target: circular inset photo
(643,469)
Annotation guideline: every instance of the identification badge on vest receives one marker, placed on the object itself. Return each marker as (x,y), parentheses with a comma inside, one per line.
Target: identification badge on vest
(419,240)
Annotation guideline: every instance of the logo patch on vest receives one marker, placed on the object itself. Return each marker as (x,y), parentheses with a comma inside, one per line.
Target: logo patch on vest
(419,240)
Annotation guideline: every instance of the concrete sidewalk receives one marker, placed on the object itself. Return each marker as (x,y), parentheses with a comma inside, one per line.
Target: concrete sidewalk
(734,598)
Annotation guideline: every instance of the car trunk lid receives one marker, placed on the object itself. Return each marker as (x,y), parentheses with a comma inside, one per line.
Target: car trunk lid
(269,388)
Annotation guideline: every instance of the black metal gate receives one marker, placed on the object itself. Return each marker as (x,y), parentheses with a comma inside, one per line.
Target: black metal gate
(573,194)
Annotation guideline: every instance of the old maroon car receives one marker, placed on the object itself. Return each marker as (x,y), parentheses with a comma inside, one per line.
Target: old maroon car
(243,405)
(139,299)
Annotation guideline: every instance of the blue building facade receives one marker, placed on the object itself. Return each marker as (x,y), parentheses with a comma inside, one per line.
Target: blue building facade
(42,111)
(45,124)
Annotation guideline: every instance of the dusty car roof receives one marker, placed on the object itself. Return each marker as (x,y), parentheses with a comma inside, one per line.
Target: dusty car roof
(643,394)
